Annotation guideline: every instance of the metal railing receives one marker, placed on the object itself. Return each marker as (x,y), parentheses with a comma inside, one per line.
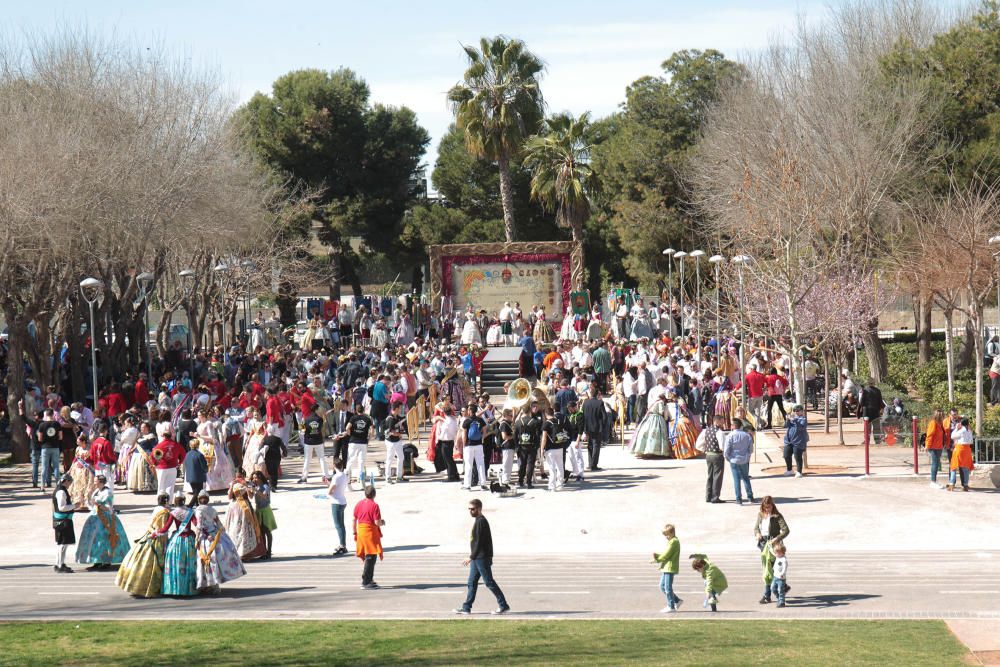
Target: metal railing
(986,450)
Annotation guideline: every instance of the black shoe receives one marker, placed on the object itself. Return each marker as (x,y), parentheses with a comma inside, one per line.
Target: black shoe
(714,608)
(35,485)
(94,568)
(765,601)
(65,570)
(717,501)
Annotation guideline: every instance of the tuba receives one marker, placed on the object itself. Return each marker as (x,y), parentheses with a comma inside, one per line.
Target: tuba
(519,393)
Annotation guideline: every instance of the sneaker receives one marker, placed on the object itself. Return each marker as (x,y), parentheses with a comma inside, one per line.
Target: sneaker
(950,487)
(935,485)
(798,474)
(677,604)
(965,488)
(780,605)
(667,610)
(579,478)
(751,500)
(500,610)
(739,501)
(465,488)
(764,601)
(462,610)
(789,473)
(371,587)
(66,569)
(301,481)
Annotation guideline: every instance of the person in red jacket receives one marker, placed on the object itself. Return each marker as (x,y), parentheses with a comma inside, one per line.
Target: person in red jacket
(274,414)
(141,391)
(102,454)
(755,393)
(167,455)
(115,401)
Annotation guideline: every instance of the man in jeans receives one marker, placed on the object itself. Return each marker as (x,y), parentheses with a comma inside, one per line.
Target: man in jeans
(480,562)
(49,435)
(739,446)
(796,439)
(711,441)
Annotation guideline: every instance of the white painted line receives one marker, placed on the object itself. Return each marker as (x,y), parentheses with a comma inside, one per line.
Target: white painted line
(454,592)
(70,593)
(968,592)
(558,592)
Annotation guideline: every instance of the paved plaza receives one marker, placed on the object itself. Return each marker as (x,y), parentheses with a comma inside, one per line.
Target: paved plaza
(884,546)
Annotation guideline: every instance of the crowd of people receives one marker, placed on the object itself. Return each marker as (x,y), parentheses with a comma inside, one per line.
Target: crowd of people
(223,422)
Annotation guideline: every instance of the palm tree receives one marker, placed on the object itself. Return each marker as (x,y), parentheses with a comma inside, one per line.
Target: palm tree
(561,175)
(498,105)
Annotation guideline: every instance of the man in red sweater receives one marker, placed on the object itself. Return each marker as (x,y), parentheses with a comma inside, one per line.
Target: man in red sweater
(141,391)
(274,414)
(167,456)
(102,455)
(755,393)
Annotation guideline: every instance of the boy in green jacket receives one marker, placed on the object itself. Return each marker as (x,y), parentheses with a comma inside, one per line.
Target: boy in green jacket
(669,561)
(715,580)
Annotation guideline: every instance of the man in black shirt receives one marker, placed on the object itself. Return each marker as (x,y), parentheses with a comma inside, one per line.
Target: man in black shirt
(394,426)
(359,430)
(505,435)
(274,450)
(336,423)
(594,416)
(49,435)
(185,429)
(312,429)
(527,435)
(480,562)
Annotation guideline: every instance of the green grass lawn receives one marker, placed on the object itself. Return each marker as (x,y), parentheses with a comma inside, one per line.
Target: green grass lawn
(468,641)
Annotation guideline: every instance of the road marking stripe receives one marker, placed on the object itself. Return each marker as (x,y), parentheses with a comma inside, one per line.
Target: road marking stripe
(69,593)
(967,592)
(558,592)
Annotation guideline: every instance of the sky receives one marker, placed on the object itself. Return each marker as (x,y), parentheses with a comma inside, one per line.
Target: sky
(410,53)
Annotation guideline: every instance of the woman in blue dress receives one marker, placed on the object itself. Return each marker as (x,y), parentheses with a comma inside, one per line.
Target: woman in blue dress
(180,566)
(103,542)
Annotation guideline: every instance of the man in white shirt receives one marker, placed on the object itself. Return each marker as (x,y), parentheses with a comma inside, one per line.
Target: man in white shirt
(644,382)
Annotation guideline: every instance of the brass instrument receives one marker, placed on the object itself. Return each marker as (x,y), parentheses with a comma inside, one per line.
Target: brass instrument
(521,392)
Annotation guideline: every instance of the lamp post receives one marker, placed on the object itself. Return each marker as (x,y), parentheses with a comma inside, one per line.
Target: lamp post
(92,289)
(248,266)
(187,287)
(220,269)
(739,261)
(717,260)
(697,254)
(680,255)
(145,281)
(669,252)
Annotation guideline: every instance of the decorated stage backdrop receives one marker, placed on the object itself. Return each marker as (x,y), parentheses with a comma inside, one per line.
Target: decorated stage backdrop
(487,274)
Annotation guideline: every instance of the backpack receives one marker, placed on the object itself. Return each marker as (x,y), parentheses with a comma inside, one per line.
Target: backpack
(475,431)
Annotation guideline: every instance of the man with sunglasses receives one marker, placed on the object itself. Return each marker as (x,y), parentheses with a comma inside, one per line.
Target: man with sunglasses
(480,562)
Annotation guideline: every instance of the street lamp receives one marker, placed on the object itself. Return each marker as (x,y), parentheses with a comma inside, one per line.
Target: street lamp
(92,289)
(187,287)
(248,266)
(680,255)
(697,254)
(669,252)
(739,261)
(717,260)
(220,269)
(145,281)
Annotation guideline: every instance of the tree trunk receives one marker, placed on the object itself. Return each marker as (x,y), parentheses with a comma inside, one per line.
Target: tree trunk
(878,362)
(507,198)
(840,403)
(826,392)
(417,281)
(923,329)
(286,300)
(979,379)
(949,354)
(968,345)
(336,274)
(18,332)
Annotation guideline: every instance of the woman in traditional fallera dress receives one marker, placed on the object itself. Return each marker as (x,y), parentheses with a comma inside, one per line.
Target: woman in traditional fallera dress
(682,427)
(543,332)
(262,509)
(126,442)
(567,332)
(220,469)
(218,560)
(180,569)
(595,329)
(103,542)
(255,433)
(241,521)
(82,472)
(652,436)
(140,476)
(141,573)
